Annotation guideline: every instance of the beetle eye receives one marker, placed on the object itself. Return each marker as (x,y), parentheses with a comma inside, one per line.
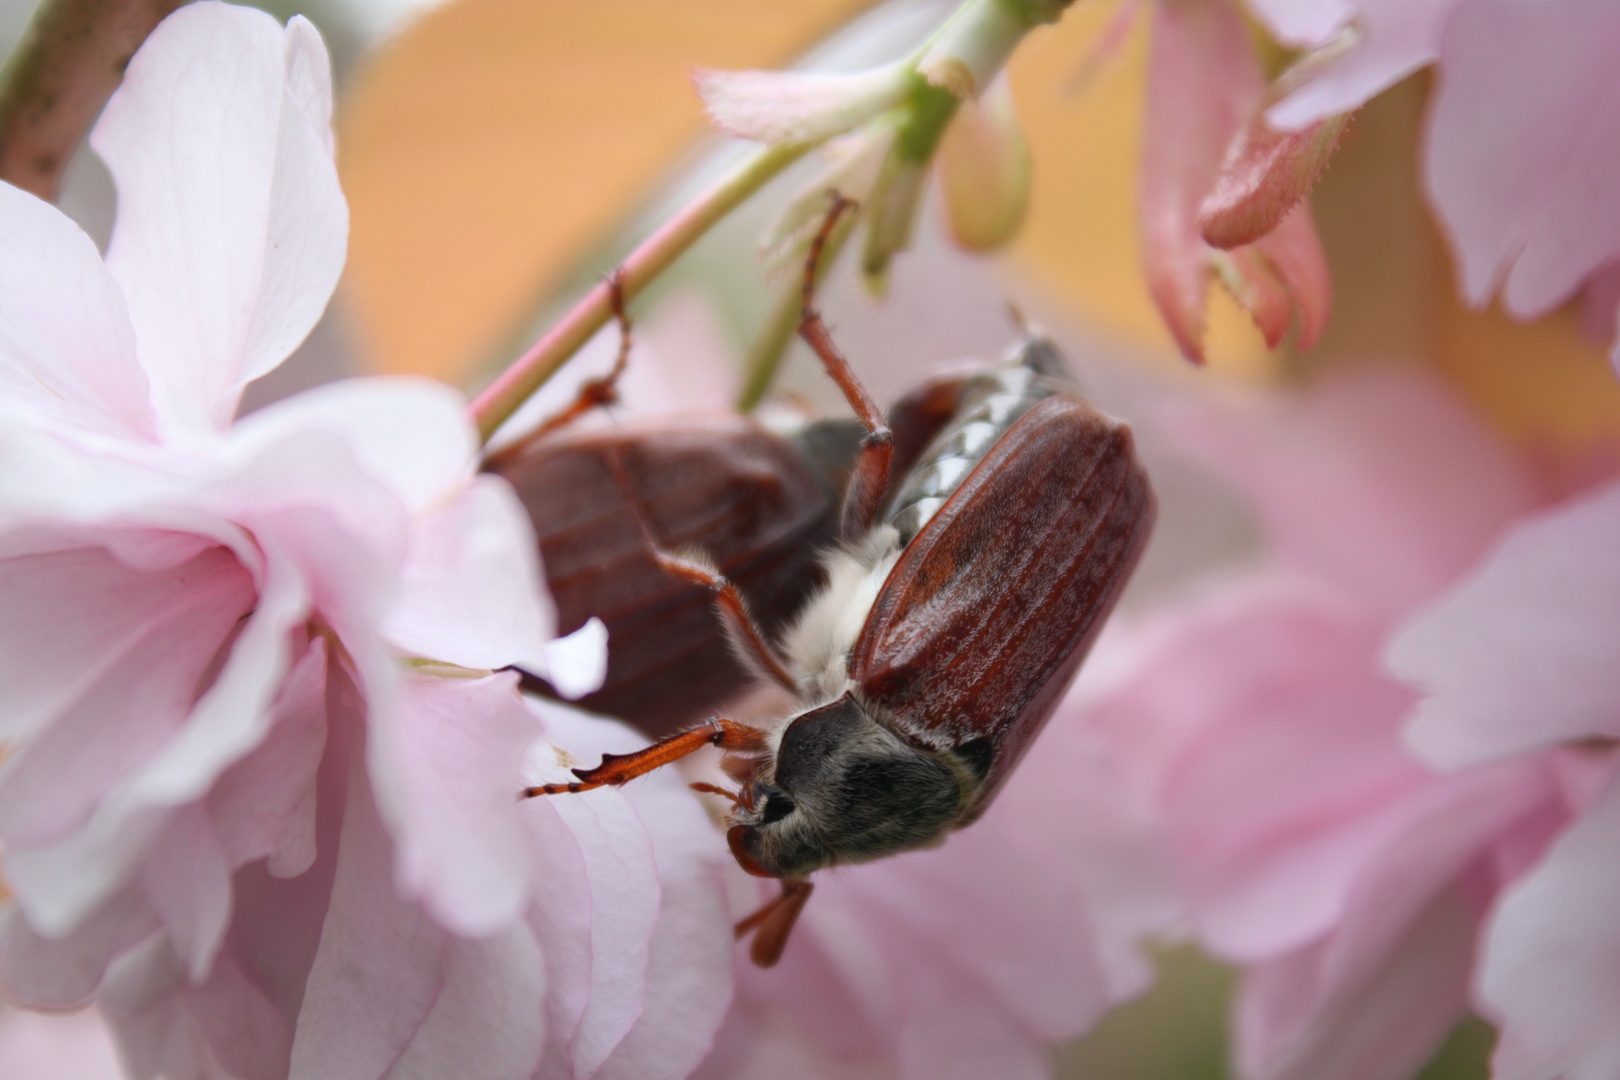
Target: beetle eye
(777,807)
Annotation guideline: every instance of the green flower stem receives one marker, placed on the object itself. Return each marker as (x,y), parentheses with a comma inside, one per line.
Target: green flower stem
(975,44)
(528,373)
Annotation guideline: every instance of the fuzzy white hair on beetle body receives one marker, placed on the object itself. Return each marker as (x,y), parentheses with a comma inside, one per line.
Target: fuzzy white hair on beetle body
(819,642)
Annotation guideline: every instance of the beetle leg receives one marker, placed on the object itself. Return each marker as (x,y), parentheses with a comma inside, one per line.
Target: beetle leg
(727,599)
(603,390)
(592,393)
(617,769)
(775,922)
(871,473)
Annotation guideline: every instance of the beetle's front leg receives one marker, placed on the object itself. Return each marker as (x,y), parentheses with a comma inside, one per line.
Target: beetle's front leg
(617,769)
(871,474)
(774,922)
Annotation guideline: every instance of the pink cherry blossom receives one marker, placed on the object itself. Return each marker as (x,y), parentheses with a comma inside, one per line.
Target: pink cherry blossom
(1347,879)
(259,805)
(1519,658)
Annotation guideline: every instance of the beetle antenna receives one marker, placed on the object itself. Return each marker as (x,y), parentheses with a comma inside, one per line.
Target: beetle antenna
(864,495)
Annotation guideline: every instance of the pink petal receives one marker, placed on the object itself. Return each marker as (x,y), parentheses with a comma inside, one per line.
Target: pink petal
(964,1038)
(1550,954)
(188,882)
(264,805)
(74,612)
(142,1002)
(690,957)
(62,972)
(59,881)
(1381,481)
(446,768)
(1523,136)
(1382,1029)
(473,593)
(621,867)
(1303,22)
(243,1028)
(1295,253)
(76,1047)
(1396,38)
(798,106)
(1203,82)
(231,226)
(1274,760)
(388,986)
(1204,87)
(1522,654)
(69,349)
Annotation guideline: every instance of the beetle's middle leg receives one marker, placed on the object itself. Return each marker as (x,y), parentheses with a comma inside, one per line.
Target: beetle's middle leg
(699,571)
(871,473)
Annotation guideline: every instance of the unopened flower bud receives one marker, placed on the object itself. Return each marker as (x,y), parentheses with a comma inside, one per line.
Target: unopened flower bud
(984,171)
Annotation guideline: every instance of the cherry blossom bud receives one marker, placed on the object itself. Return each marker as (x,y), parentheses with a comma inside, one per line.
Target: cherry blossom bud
(984,171)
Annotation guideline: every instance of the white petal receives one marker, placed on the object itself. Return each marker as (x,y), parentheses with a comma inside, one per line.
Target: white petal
(67,350)
(576,664)
(231,226)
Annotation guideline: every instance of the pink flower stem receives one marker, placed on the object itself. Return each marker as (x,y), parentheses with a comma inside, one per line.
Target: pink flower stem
(528,373)
(67,65)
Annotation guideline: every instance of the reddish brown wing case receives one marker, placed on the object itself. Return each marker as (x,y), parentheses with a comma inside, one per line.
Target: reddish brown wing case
(990,610)
(715,483)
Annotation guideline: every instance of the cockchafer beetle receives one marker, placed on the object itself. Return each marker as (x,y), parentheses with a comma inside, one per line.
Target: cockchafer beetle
(951,621)
(761,503)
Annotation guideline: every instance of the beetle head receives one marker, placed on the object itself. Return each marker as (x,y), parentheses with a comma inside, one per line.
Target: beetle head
(844,790)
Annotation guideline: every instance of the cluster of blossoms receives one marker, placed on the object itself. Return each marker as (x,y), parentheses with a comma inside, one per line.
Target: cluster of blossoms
(263,746)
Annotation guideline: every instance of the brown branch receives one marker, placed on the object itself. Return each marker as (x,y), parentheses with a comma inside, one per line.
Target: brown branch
(67,65)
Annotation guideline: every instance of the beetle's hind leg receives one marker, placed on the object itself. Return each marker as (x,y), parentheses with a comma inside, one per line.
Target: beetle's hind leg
(733,609)
(871,474)
(774,922)
(603,390)
(594,393)
(617,769)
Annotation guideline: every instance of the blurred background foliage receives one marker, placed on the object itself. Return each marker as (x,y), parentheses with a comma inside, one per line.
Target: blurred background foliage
(499,154)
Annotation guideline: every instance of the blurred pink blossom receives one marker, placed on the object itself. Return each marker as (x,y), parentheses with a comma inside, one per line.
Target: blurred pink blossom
(1346,878)
(1523,132)
(260,799)
(1518,659)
